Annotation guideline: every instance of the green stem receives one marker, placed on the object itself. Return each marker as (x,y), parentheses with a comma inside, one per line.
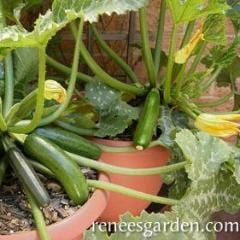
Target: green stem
(216,103)
(3,125)
(66,70)
(182,104)
(2,18)
(115,188)
(212,79)
(186,38)
(160,34)
(188,33)
(198,58)
(106,78)
(72,81)
(42,169)
(103,76)
(146,49)
(131,193)
(104,167)
(9,76)
(40,97)
(9,84)
(180,79)
(77,130)
(114,56)
(38,217)
(171,60)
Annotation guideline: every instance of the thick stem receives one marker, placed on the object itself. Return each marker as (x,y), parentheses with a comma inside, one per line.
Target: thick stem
(114,188)
(146,49)
(131,193)
(9,75)
(114,56)
(38,217)
(66,70)
(171,58)
(212,79)
(72,81)
(9,84)
(188,33)
(40,97)
(2,18)
(104,167)
(198,58)
(77,130)
(180,79)
(103,76)
(106,78)
(160,34)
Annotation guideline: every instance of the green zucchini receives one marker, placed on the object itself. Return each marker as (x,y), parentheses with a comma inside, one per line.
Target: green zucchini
(148,120)
(25,172)
(70,142)
(65,169)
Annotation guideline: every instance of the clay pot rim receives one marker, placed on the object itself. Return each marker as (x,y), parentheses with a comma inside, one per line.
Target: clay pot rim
(113,143)
(96,197)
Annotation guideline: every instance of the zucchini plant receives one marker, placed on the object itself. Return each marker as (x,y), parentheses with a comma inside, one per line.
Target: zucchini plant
(36,120)
(40,126)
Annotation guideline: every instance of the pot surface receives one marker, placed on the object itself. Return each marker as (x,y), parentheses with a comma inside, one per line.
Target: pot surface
(152,157)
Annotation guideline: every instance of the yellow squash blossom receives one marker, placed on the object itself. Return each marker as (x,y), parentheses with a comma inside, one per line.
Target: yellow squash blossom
(218,125)
(183,54)
(54,91)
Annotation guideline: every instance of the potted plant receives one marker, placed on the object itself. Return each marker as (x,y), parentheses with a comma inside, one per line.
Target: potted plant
(26,121)
(171,81)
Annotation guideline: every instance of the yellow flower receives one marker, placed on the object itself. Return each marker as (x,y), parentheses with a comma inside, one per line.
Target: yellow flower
(183,54)
(54,91)
(218,125)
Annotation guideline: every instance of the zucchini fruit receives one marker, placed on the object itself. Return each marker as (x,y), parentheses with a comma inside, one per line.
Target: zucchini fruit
(65,169)
(70,142)
(26,173)
(148,120)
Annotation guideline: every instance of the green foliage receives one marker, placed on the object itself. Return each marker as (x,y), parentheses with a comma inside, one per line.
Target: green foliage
(234,13)
(47,25)
(115,115)
(25,69)
(214,29)
(212,189)
(92,9)
(227,59)
(187,10)
(10,6)
(1,79)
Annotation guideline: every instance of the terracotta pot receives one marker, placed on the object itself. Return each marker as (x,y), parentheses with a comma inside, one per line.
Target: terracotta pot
(118,203)
(73,227)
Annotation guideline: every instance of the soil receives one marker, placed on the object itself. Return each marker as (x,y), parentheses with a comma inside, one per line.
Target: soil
(15,212)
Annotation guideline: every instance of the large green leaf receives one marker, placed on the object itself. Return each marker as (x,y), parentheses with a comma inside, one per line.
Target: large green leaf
(220,192)
(205,153)
(92,8)
(64,11)
(115,115)
(187,10)
(217,190)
